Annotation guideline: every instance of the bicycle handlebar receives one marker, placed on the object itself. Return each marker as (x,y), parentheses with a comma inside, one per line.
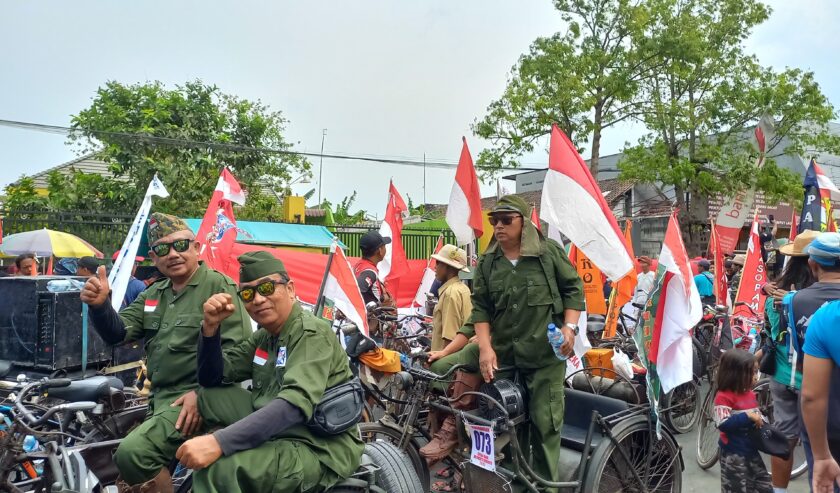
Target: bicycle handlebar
(47,383)
(432,376)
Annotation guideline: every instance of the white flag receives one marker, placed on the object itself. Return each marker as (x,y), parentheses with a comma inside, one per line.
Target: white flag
(124,264)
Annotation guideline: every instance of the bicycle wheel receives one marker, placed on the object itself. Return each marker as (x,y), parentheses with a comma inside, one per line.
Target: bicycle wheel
(657,462)
(681,407)
(375,432)
(708,450)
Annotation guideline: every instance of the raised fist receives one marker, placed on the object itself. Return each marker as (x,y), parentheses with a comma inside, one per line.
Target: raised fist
(96,289)
(216,309)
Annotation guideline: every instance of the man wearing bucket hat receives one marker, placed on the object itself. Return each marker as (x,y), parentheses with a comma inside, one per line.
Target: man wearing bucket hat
(522,283)
(821,378)
(797,275)
(264,443)
(167,317)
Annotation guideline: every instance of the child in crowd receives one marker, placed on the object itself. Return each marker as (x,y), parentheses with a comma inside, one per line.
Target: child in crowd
(736,412)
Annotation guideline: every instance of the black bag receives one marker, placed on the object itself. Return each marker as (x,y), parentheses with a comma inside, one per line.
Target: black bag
(770,441)
(767,365)
(340,409)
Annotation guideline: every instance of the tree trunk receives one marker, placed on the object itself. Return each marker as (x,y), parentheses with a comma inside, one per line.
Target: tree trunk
(596,140)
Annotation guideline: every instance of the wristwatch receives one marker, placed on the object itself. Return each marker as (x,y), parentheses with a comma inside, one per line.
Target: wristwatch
(572,326)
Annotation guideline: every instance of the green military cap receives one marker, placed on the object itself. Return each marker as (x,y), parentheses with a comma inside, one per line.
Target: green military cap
(161,225)
(259,264)
(512,203)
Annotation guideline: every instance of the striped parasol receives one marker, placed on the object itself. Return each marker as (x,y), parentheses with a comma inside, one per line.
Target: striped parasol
(46,242)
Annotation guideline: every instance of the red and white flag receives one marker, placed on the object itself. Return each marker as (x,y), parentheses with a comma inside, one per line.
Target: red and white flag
(464,211)
(677,309)
(753,277)
(428,278)
(535,219)
(218,232)
(827,188)
(342,289)
(395,264)
(573,203)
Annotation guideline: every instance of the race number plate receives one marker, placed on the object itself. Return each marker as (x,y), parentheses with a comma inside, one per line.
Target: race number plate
(482,454)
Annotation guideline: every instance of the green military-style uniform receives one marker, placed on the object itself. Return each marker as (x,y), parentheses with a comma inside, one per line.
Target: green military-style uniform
(519,301)
(169,323)
(297,365)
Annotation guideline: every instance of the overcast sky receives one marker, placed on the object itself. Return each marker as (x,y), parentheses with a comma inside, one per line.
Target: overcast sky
(386,78)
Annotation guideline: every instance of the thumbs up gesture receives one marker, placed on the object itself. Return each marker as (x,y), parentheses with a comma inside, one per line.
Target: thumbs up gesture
(96,290)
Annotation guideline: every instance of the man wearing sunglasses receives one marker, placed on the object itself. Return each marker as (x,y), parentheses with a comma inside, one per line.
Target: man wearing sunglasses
(522,283)
(264,444)
(167,317)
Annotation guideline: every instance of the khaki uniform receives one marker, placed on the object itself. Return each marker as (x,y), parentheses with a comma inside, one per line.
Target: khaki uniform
(519,301)
(169,323)
(451,312)
(297,365)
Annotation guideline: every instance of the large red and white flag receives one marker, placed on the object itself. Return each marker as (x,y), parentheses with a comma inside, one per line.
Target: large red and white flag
(673,310)
(753,277)
(573,203)
(464,211)
(217,232)
(428,278)
(395,264)
(342,289)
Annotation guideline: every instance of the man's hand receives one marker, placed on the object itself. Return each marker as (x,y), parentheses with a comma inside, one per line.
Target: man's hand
(199,452)
(568,346)
(96,289)
(216,309)
(826,474)
(436,355)
(188,420)
(487,362)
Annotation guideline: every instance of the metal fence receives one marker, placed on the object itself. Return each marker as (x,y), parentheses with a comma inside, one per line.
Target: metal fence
(105,231)
(108,231)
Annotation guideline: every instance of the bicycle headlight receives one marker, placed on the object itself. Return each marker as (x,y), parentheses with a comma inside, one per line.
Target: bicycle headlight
(506,393)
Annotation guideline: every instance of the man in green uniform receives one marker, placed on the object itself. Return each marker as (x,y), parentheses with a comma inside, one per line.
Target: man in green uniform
(522,283)
(167,317)
(264,444)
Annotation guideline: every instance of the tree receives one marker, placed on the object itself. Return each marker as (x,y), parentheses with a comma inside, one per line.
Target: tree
(584,79)
(341,211)
(22,196)
(186,135)
(702,105)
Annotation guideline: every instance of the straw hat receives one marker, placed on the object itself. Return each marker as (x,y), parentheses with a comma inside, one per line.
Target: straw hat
(452,256)
(800,244)
(740,259)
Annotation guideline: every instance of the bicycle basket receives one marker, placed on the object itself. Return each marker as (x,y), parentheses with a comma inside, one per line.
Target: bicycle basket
(506,393)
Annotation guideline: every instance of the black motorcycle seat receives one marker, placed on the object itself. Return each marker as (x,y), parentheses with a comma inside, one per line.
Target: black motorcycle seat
(89,389)
(579,408)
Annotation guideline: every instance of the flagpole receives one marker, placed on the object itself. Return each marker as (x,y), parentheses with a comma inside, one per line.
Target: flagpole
(319,303)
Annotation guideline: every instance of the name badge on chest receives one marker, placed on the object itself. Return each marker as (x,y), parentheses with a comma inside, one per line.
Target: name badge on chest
(281,358)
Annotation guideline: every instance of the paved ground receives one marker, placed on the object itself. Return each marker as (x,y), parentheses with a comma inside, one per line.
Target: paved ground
(696,480)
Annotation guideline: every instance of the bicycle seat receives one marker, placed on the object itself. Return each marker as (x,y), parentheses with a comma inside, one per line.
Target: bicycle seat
(578,414)
(5,367)
(89,389)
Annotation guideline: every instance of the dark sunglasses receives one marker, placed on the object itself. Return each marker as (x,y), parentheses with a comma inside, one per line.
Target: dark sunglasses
(180,246)
(505,220)
(265,288)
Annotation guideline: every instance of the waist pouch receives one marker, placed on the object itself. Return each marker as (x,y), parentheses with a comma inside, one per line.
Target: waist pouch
(340,409)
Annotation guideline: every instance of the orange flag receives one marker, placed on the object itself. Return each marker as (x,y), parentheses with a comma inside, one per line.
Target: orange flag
(624,289)
(593,286)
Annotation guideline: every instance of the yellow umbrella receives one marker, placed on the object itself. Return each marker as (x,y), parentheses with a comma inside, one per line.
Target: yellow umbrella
(46,242)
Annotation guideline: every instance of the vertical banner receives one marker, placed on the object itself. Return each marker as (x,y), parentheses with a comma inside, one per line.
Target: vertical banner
(593,285)
(753,277)
(124,264)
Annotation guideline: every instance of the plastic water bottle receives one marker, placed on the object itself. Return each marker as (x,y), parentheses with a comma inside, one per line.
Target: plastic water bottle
(63,285)
(556,339)
(30,444)
(753,340)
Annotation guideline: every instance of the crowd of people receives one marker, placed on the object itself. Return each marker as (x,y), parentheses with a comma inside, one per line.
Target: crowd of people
(195,324)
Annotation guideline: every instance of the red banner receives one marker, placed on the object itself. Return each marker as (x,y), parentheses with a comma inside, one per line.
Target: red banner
(721,284)
(753,278)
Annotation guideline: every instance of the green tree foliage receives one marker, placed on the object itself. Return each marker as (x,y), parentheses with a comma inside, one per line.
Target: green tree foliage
(341,211)
(703,103)
(22,196)
(186,135)
(584,79)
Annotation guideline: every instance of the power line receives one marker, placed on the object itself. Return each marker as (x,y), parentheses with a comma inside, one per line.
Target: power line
(154,139)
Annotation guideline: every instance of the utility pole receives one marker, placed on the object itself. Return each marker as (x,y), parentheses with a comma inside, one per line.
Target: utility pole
(424,179)
(321,165)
